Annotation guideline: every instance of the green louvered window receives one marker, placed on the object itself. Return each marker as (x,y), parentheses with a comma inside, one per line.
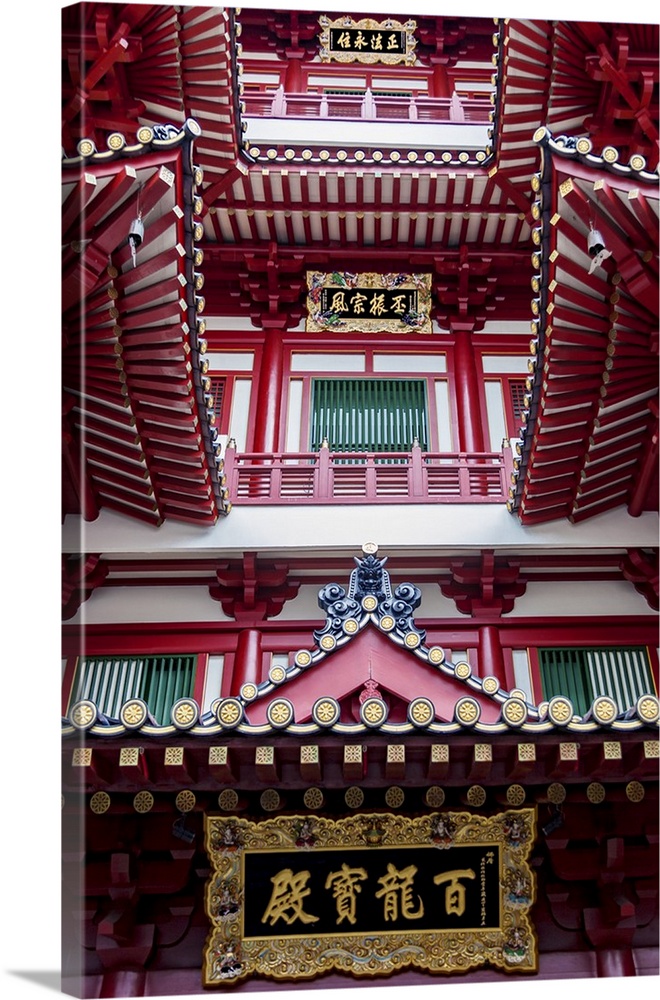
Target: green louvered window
(369,414)
(582,674)
(158,680)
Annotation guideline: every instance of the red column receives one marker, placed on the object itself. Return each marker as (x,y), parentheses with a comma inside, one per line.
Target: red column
(269,394)
(247,660)
(491,659)
(123,983)
(439,85)
(615,962)
(467,381)
(293,78)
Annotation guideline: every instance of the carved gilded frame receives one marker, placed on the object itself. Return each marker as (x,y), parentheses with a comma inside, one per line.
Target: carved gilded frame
(371,57)
(346,284)
(303,953)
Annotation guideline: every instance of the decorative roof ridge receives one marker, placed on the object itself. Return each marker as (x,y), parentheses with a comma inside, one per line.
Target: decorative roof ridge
(151,137)
(579,147)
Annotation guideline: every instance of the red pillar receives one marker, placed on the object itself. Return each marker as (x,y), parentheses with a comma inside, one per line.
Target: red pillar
(269,394)
(247,660)
(293,78)
(439,85)
(123,983)
(491,658)
(467,381)
(615,962)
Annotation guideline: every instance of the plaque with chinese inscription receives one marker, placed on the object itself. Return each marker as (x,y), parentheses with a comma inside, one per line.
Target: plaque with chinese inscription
(295,896)
(367,41)
(368,302)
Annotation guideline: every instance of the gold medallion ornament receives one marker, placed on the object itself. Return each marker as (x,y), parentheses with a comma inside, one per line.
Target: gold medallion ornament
(421,712)
(350,626)
(412,640)
(99,803)
(476,796)
(515,795)
(276,674)
(394,797)
(491,685)
(133,713)
(145,134)
(434,797)
(229,712)
(436,655)
(387,623)
(514,712)
(647,708)
(354,797)
(249,692)
(325,711)
(635,791)
(185,801)
(228,799)
(143,802)
(270,800)
(328,642)
(560,711)
(185,713)
(303,658)
(369,603)
(373,712)
(556,793)
(637,162)
(604,710)
(467,711)
(116,141)
(86,147)
(463,670)
(595,792)
(296,896)
(280,713)
(313,798)
(83,714)
(610,154)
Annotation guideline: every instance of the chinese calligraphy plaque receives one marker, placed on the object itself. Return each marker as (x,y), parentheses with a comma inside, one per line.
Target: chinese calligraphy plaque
(368,302)
(367,41)
(293,897)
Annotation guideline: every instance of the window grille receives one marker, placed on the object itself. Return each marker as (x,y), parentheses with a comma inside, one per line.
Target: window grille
(218,386)
(369,414)
(582,674)
(517,390)
(111,681)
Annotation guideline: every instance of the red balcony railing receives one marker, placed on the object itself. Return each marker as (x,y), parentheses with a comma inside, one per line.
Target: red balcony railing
(370,106)
(362,477)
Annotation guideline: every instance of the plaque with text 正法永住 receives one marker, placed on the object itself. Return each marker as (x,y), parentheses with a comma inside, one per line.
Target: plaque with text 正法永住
(296,896)
(389,42)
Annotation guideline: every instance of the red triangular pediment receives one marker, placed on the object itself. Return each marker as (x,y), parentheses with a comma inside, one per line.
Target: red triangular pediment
(370,655)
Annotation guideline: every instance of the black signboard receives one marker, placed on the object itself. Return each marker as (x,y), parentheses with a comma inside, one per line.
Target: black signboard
(369,303)
(367,40)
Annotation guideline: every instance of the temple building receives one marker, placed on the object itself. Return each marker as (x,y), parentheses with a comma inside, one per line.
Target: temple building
(360,499)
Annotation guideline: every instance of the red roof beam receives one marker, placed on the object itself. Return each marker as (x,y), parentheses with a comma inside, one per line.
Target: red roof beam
(151,517)
(107,467)
(117,52)
(645,234)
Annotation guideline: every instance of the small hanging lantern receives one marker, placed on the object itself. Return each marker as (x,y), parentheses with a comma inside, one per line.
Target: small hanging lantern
(135,236)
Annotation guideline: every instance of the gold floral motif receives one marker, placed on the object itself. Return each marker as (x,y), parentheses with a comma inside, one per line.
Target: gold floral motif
(325,711)
(463,670)
(184,713)
(99,803)
(270,800)
(436,655)
(514,712)
(647,708)
(394,797)
(218,755)
(229,712)
(279,713)
(129,756)
(228,799)
(350,626)
(434,797)
(313,798)
(328,642)
(467,711)
(595,792)
(249,691)
(556,793)
(277,674)
(560,710)
(476,795)
(421,712)
(604,709)
(369,603)
(515,795)
(174,756)
(83,714)
(373,711)
(145,134)
(185,801)
(354,797)
(412,640)
(387,623)
(303,658)
(635,791)
(491,685)
(133,713)
(85,147)
(143,802)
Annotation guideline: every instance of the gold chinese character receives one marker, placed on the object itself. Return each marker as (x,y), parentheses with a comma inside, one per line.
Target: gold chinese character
(393,42)
(357,301)
(338,303)
(359,42)
(344,40)
(399,304)
(344,886)
(377,304)
(288,893)
(397,889)
(377,41)
(455,892)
